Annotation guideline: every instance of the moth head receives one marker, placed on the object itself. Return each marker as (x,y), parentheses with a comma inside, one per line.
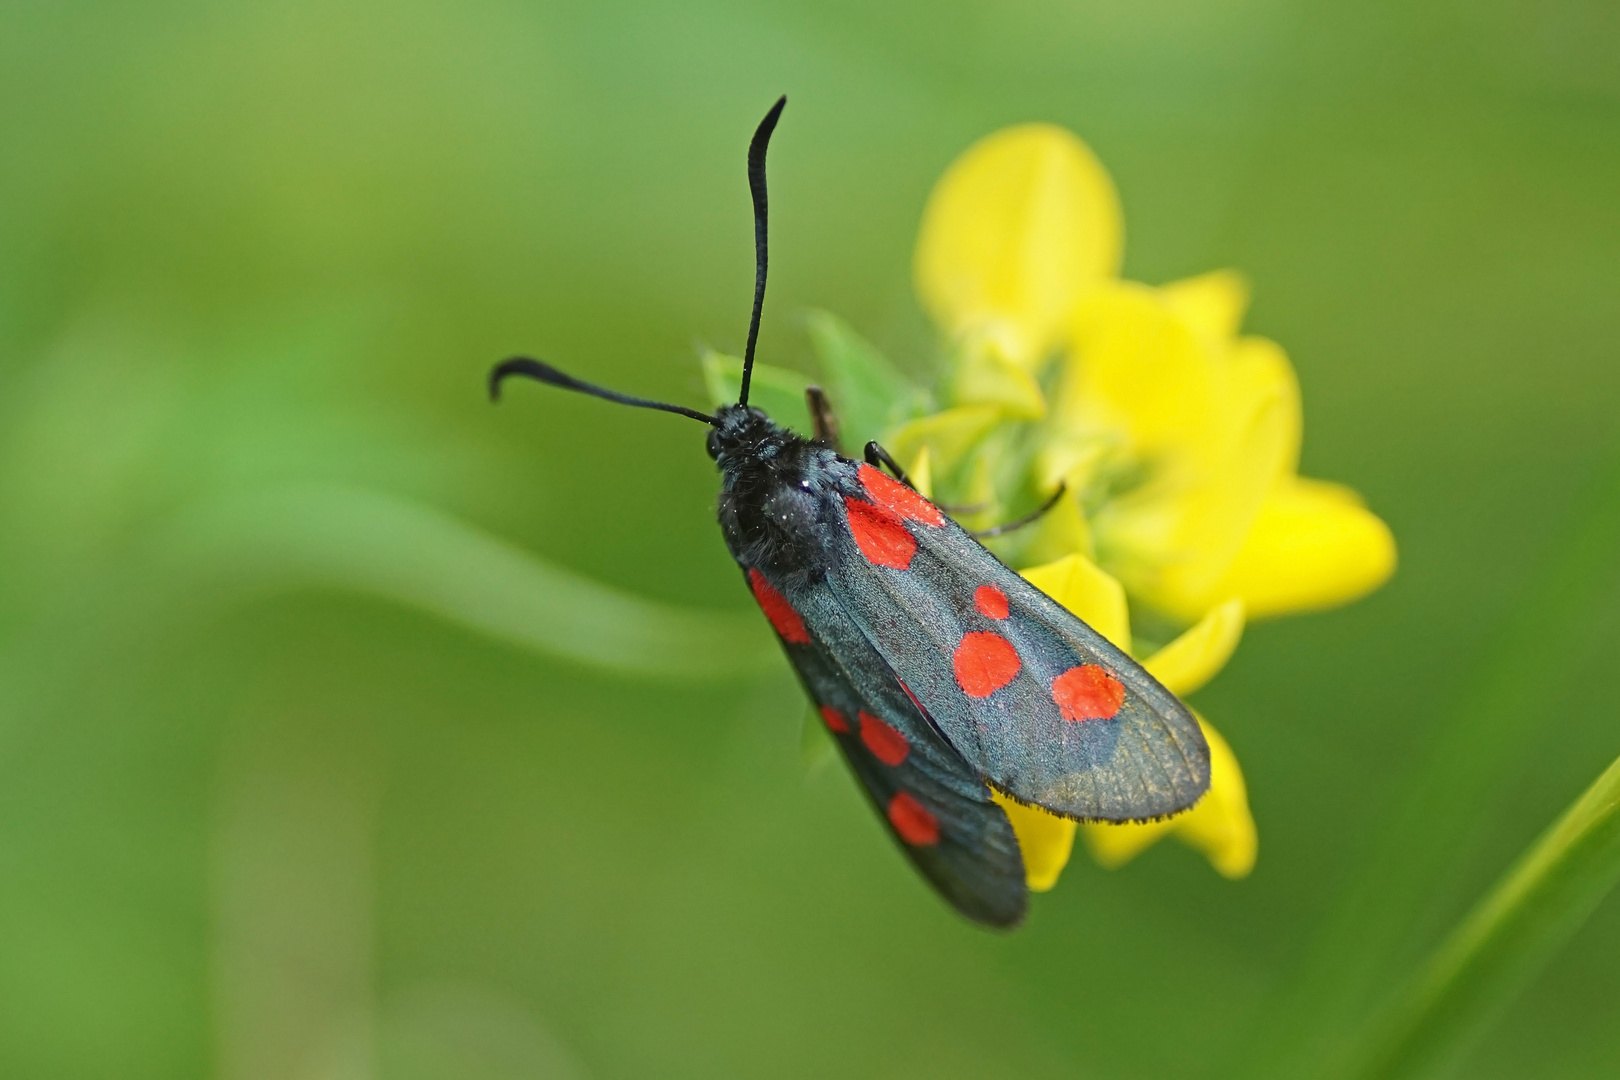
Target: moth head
(739,430)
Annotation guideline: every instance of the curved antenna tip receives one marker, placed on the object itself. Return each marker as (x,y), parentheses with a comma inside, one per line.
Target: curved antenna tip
(757,146)
(540,371)
(519,365)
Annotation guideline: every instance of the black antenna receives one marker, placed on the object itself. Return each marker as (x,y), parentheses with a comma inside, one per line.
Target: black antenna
(540,371)
(756,187)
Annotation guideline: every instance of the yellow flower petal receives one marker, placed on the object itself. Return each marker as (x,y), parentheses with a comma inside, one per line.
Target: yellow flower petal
(1220,825)
(1212,429)
(1019,226)
(1223,505)
(1045,840)
(1112,846)
(1171,544)
(1258,370)
(1191,660)
(1213,304)
(1313,546)
(1087,590)
(921,473)
(1138,369)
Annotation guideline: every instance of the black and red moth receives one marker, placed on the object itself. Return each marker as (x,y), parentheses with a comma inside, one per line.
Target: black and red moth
(940,672)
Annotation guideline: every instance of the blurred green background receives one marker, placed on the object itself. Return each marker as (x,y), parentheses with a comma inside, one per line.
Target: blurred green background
(260,817)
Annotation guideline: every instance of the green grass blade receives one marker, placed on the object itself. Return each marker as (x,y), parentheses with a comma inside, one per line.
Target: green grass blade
(1518,927)
(376,544)
(1394,905)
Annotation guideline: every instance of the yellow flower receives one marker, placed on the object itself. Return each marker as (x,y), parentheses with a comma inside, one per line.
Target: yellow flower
(1180,436)
(1019,226)
(1176,436)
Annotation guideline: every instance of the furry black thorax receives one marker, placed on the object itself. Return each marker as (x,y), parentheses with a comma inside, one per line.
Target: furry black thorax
(779,494)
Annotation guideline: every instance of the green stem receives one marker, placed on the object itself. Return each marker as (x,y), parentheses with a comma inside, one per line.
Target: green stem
(377,544)
(1518,927)
(1410,875)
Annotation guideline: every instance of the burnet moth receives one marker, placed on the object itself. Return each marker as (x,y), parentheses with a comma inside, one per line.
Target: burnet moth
(940,672)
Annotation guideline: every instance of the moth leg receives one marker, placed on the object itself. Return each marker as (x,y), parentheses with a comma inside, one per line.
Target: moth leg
(1026,519)
(877,457)
(822,420)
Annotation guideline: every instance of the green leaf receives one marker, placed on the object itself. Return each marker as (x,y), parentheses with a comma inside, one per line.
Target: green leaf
(870,396)
(779,391)
(365,541)
(1514,931)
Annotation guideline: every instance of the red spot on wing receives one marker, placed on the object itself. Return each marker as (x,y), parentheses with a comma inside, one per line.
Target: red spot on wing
(991,602)
(880,534)
(835,719)
(778,610)
(984,663)
(912,821)
(891,493)
(1088,692)
(886,744)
